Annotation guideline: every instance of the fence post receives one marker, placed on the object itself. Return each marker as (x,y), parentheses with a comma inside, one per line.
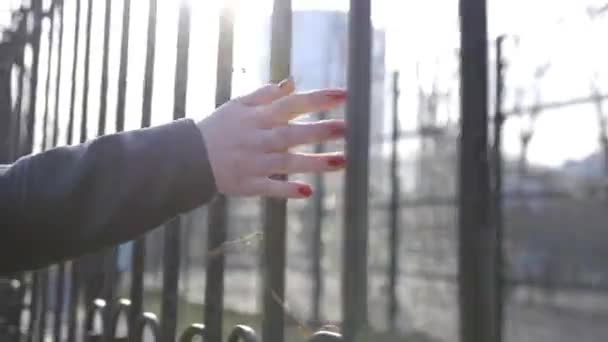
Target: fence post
(36,12)
(59,68)
(275,210)
(139,246)
(47,87)
(172,231)
(477,243)
(354,277)
(393,304)
(317,237)
(103,101)
(87,72)
(218,211)
(74,265)
(497,188)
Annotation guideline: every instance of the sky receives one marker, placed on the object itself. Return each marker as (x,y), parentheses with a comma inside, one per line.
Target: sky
(417,31)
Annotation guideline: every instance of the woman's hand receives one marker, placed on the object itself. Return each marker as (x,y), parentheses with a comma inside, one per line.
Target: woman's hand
(248,140)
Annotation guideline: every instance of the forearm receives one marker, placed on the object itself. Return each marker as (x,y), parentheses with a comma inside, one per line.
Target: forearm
(75,200)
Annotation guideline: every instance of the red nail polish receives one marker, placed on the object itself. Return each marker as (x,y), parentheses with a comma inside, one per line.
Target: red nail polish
(305,190)
(338,131)
(336,161)
(336,96)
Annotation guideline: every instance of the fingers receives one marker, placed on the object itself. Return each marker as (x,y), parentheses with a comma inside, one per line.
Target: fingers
(294,163)
(289,107)
(282,138)
(280,189)
(268,93)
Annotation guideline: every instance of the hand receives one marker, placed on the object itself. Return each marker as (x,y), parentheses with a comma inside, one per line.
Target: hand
(248,140)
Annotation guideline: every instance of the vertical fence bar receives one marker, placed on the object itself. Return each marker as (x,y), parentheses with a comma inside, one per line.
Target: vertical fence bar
(275,210)
(84,125)
(60,278)
(70,132)
(218,211)
(42,316)
(476,235)
(44,274)
(124,62)
(149,68)
(35,43)
(47,87)
(172,231)
(59,298)
(394,236)
(354,280)
(317,237)
(59,69)
(139,246)
(87,67)
(36,13)
(103,103)
(497,187)
(34,303)
(16,136)
(74,276)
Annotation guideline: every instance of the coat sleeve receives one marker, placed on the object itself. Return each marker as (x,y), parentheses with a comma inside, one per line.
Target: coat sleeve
(75,200)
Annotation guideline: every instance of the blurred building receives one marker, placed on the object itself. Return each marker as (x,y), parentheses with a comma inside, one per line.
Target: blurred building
(320,58)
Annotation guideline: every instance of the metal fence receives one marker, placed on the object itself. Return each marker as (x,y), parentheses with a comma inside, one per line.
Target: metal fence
(479,238)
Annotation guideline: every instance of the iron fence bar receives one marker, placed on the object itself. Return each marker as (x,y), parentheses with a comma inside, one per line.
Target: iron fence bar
(43,315)
(149,68)
(356,189)
(242,333)
(59,298)
(218,211)
(124,62)
(95,309)
(87,70)
(34,303)
(195,330)
(72,320)
(147,319)
(172,232)
(103,104)
(70,131)
(110,257)
(139,246)
(325,336)
(84,125)
(275,210)
(34,40)
(497,210)
(47,87)
(317,237)
(15,139)
(393,242)
(36,12)
(476,235)
(59,70)
(122,308)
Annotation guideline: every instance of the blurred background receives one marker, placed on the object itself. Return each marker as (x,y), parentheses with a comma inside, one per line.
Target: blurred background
(555,157)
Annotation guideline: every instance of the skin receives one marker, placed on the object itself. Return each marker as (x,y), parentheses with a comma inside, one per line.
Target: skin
(248,140)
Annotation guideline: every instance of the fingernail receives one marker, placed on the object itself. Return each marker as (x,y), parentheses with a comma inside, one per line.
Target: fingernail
(338,161)
(305,190)
(285,82)
(338,96)
(338,131)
